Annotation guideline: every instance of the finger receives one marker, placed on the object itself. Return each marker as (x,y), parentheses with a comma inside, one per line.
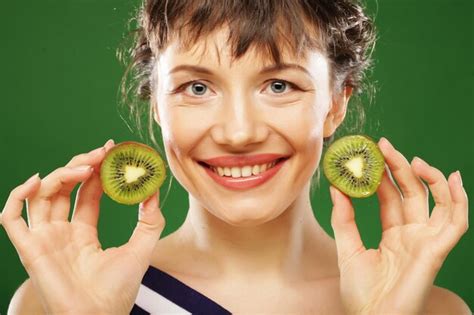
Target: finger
(12,221)
(91,158)
(87,204)
(415,194)
(452,232)
(460,201)
(390,200)
(148,230)
(60,181)
(439,189)
(61,202)
(346,234)
(108,145)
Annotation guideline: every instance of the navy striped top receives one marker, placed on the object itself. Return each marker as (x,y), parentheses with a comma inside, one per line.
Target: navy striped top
(161,293)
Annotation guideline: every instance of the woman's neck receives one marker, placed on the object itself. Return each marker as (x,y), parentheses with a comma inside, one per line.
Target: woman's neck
(291,246)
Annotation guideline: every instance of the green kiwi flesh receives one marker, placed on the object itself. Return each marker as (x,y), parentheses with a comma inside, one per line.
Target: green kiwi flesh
(131,172)
(355,165)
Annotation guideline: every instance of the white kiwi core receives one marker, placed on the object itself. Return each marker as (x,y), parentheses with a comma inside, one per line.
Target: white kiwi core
(133,173)
(356,166)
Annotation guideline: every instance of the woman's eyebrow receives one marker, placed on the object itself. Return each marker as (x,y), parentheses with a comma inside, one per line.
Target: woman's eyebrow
(284,66)
(268,69)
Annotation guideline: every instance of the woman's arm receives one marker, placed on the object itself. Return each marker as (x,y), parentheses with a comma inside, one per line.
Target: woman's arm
(443,301)
(25,301)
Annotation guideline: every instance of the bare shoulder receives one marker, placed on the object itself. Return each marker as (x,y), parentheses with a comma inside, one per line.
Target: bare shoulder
(25,300)
(444,301)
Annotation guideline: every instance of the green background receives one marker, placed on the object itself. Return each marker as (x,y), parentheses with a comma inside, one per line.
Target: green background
(59,80)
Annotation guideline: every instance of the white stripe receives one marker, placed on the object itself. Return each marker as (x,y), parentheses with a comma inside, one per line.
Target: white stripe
(155,303)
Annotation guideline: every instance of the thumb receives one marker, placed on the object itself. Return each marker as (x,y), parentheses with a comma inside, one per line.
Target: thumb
(148,230)
(346,234)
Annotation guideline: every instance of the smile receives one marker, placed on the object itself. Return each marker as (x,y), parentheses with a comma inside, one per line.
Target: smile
(245,177)
(244,171)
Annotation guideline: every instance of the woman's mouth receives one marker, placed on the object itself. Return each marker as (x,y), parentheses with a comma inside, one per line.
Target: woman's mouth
(243,177)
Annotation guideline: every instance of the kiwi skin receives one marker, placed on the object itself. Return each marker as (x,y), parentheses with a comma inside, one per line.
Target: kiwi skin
(378,167)
(161,173)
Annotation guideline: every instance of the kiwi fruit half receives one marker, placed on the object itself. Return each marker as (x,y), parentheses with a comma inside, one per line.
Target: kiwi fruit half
(131,172)
(355,165)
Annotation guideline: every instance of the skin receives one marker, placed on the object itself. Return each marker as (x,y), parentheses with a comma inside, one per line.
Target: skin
(268,234)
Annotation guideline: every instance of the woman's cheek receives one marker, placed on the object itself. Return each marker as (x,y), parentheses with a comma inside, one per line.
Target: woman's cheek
(186,127)
(302,122)
(306,132)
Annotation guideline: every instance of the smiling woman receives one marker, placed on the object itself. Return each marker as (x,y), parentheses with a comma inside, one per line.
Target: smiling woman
(246,93)
(237,115)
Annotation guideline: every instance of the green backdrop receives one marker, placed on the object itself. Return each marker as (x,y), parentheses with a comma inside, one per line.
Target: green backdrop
(59,80)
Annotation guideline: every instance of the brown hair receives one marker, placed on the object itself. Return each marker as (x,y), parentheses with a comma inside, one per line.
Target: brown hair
(338,28)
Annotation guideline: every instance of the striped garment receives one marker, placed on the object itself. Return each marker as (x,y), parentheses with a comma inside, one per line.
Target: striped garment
(161,293)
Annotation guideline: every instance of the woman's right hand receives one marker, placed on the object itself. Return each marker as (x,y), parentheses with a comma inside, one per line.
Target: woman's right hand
(70,271)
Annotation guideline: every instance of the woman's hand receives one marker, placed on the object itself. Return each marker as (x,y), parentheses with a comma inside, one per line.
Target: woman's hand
(397,277)
(66,264)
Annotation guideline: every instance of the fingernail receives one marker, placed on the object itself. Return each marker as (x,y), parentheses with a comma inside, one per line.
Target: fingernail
(32,178)
(82,168)
(384,141)
(458,175)
(110,141)
(142,209)
(418,160)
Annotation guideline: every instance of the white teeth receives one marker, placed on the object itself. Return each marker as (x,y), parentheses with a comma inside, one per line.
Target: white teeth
(245,171)
(235,171)
(255,170)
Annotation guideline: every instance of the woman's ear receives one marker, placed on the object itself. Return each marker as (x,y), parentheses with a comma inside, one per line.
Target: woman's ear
(337,111)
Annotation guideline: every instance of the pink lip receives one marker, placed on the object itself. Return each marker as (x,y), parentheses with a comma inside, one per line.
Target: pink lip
(242,183)
(242,160)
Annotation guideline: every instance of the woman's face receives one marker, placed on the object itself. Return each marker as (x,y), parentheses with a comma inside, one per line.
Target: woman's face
(236,109)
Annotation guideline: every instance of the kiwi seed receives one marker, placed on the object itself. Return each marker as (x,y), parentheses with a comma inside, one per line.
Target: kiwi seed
(355,165)
(131,172)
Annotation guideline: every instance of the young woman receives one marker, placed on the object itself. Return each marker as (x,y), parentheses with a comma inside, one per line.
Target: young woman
(238,84)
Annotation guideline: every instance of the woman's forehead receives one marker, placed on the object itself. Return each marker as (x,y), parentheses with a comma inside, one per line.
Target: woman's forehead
(214,50)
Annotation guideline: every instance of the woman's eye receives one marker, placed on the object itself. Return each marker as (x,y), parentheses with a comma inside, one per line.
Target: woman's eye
(280,86)
(197,88)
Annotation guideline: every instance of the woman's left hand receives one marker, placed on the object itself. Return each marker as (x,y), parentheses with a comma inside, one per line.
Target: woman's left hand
(397,277)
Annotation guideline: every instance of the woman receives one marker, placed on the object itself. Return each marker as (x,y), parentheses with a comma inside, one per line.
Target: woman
(249,249)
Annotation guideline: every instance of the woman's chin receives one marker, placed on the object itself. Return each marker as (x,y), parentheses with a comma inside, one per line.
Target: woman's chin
(247,216)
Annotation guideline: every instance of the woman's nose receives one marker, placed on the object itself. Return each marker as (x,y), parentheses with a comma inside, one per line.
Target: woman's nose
(240,123)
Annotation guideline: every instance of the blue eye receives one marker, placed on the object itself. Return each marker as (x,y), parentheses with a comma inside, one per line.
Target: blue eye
(198,88)
(278,86)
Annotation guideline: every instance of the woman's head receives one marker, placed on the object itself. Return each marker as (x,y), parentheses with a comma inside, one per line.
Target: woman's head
(235,108)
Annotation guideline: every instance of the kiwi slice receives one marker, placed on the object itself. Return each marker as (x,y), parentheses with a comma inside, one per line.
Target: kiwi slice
(355,165)
(131,172)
